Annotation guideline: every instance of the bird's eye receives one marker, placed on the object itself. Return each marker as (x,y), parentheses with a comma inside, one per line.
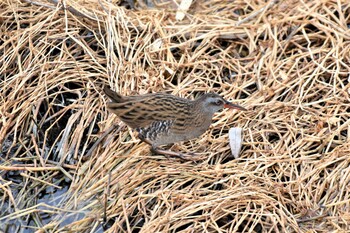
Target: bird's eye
(218,102)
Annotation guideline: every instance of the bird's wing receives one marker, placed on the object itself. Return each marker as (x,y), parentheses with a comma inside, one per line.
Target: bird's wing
(143,111)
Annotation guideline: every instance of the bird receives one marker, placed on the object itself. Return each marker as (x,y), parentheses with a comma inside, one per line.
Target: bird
(163,119)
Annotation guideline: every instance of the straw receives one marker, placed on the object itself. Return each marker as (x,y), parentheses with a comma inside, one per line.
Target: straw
(67,164)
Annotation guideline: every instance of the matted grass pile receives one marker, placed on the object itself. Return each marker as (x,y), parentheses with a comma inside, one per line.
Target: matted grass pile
(67,164)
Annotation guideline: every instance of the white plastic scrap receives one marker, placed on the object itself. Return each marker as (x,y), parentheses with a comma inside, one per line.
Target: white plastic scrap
(183,8)
(235,136)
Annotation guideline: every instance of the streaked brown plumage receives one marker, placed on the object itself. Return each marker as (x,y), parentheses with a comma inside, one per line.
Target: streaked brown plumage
(162,119)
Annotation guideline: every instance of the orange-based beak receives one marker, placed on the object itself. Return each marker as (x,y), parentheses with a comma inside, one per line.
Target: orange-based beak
(233,106)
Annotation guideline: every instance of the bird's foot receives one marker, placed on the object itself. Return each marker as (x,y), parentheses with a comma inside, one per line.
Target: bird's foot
(169,153)
(143,139)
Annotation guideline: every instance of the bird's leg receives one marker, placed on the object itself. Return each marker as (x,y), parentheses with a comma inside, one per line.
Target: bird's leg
(145,140)
(166,153)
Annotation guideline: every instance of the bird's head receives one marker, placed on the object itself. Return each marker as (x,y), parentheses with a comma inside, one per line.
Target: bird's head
(213,102)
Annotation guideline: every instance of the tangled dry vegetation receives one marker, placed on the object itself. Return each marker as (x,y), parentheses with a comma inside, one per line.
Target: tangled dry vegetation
(67,164)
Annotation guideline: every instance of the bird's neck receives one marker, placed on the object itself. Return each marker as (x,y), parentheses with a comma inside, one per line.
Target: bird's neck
(199,107)
(201,112)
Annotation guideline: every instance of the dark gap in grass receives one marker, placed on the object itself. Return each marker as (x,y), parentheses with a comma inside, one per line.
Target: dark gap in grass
(54,51)
(283,96)
(212,52)
(7,147)
(344,133)
(223,43)
(285,178)
(310,28)
(186,185)
(196,45)
(110,222)
(227,75)
(242,50)
(13,176)
(136,221)
(225,221)
(315,149)
(243,95)
(273,137)
(183,227)
(251,88)
(217,85)
(174,80)
(197,94)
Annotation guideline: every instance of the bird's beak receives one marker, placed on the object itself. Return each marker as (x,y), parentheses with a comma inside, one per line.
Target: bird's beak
(233,106)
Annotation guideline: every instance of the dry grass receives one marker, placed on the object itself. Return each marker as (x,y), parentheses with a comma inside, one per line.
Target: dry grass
(66,163)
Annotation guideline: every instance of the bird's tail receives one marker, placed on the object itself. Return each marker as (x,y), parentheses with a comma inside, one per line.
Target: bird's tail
(114,96)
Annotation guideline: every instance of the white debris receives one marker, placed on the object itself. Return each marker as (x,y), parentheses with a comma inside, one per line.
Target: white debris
(156,45)
(235,136)
(183,8)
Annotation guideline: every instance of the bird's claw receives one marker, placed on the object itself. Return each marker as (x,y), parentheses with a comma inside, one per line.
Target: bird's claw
(169,154)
